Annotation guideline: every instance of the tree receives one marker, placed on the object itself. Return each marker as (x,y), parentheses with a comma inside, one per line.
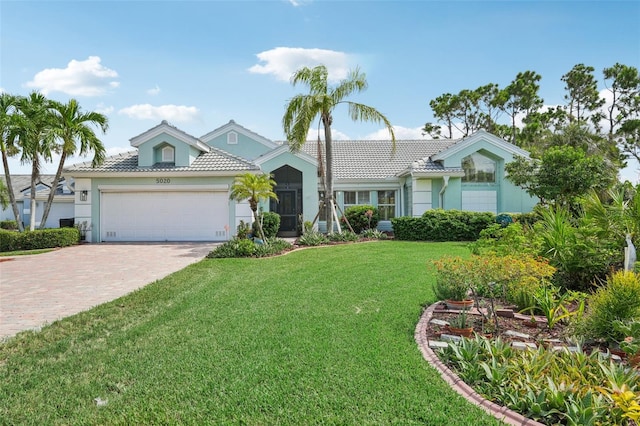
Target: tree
(521,97)
(563,174)
(624,84)
(72,126)
(584,101)
(254,188)
(4,195)
(321,100)
(32,129)
(8,105)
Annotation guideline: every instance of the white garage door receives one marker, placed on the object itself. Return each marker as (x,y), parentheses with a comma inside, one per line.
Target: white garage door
(164,216)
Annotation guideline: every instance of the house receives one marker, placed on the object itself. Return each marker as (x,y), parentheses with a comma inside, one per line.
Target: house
(175,187)
(63,201)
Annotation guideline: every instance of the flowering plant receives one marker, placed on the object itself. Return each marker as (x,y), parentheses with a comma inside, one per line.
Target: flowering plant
(631,343)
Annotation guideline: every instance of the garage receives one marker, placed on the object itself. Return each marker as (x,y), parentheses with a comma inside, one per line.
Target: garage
(164,215)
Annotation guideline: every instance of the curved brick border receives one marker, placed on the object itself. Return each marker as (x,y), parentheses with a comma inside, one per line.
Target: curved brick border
(498,411)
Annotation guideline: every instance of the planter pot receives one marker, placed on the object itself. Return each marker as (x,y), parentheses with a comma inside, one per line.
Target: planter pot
(464,332)
(634,361)
(530,324)
(459,304)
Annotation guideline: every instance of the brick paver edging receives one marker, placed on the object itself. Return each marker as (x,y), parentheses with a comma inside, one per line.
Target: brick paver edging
(498,411)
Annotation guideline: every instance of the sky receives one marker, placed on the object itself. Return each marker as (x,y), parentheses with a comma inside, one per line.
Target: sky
(199,64)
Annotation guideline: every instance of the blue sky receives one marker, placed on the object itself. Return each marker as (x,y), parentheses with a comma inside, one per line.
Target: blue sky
(199,64)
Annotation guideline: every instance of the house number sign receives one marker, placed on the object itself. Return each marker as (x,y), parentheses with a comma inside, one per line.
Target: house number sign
(163,180)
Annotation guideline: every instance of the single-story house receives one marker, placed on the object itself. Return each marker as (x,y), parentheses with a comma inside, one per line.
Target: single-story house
(175,187)
(63,201)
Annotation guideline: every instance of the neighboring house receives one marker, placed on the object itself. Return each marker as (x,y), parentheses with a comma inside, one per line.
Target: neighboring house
(175,187)
(63,200)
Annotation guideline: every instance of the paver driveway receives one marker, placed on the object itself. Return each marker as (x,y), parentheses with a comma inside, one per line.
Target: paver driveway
(39,289)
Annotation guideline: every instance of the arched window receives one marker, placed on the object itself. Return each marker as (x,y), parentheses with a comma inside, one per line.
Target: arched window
(478,169)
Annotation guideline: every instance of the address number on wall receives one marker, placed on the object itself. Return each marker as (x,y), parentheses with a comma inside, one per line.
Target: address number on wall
(163,180)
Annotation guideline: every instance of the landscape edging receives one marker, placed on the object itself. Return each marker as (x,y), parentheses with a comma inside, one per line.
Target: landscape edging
(498,411)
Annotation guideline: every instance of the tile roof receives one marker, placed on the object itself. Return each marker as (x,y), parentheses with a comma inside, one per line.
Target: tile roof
(374,159)
(214,161)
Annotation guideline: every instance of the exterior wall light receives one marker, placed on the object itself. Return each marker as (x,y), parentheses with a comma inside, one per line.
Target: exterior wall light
(83,195)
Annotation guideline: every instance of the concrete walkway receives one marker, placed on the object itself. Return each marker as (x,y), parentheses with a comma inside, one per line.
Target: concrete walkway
(39,289)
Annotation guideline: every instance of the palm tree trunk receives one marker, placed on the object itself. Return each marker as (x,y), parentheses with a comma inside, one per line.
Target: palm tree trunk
(326,120)
(54,185)
(12,196)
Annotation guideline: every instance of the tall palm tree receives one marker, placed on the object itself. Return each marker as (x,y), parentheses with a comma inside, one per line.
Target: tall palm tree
(321,100)
(32,128)
(254,188)
(8,105)
(72,126)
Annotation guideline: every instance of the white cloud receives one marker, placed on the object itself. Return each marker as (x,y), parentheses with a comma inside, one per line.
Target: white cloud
(296,3)
(282,62)
(400,132)
(154,91)
(172,113)
(79,78)
(104,109)
(336,135)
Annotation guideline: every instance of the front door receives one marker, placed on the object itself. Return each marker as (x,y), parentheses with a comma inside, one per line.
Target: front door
(286,207)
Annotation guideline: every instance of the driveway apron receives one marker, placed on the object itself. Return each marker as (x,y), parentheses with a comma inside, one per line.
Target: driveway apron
(39,289)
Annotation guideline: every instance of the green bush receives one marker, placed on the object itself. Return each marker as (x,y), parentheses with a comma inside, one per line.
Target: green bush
(343,236)
(373,234)
(361,217)
(442,225)
(244,247)
(270,224)
(617,300)
(38,239)
(11,225)
(313,238)
(501,241)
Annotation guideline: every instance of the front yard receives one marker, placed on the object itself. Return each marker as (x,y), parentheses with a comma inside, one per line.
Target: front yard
(318,336)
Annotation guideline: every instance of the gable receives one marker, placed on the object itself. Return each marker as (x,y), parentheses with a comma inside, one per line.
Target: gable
(238,140)
(167,144)
(483,142)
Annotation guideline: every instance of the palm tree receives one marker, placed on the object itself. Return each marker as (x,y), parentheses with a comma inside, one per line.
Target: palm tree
(72,126)
(302,110)
(254,188)
(8,105)
(32,129)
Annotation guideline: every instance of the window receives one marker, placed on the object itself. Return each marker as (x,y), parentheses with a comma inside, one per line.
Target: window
(168,154)
(232,138)
(478,169)
(387,204)
(352,198)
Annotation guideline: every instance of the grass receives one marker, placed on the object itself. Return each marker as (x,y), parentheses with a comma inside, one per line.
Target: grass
(25,252)
(319,336)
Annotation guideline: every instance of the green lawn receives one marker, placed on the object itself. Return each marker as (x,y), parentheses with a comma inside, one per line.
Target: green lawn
(318,336)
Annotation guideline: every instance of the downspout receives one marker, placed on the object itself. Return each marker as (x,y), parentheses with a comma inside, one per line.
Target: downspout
(444,187)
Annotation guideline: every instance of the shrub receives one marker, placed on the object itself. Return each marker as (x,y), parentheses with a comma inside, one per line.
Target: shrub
(236,247)
(501,241)
(453,278)
(313,238)
(617,300)
(38,239)
(373,234)
(442,225)
(275,246)
(11,225)
(343,236)
(244,229)
(270,224)
(361,217)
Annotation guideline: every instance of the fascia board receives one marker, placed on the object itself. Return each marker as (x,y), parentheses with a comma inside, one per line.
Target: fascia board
(171,131)
(281,150)
(144,174)
(480,135)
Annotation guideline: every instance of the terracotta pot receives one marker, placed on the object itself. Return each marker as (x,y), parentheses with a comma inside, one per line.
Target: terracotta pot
(459,304)
(531,324)
(464,332)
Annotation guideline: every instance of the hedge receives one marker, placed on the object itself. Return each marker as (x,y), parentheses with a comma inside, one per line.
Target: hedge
(442,225)
(38,239)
